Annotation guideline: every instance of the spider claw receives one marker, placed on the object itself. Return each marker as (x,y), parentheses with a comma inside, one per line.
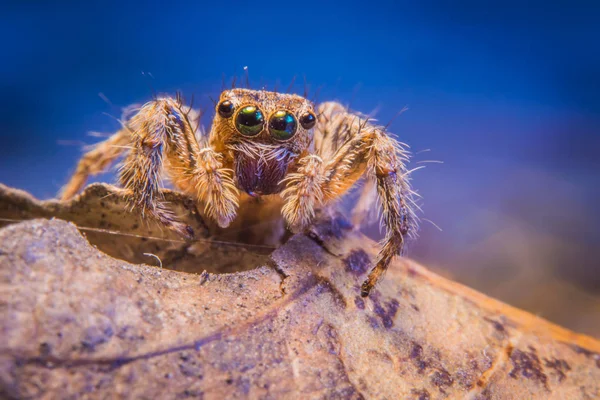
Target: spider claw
(365,289)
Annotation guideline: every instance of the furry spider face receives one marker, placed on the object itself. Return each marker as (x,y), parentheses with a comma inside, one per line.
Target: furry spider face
(263,133)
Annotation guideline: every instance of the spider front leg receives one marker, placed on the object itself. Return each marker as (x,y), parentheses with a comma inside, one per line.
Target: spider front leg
(367,150)
(162,129)
(214,185)
(160,136)
(95,161)
(395,197)
(304,192)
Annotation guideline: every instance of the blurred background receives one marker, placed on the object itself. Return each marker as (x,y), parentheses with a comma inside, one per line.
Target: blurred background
(505,93)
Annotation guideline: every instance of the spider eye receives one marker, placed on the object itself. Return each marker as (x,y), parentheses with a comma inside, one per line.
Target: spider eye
(308,120)
(249,121)
(225,109)
(282,125)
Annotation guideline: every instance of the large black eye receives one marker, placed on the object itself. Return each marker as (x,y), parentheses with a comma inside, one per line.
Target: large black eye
(249,121)
(308,120)
(282,125)
(225,109)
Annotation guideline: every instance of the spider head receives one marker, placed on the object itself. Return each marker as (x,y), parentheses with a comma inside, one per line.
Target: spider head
(264,117)
(265,132)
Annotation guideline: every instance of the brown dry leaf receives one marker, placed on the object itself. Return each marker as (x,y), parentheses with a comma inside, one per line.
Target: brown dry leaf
(77,323)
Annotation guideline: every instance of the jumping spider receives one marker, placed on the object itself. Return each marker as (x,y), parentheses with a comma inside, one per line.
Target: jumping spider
(261,144)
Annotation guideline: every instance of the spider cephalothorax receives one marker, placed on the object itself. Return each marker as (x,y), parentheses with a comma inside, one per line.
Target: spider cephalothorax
(265,144)
(261,134)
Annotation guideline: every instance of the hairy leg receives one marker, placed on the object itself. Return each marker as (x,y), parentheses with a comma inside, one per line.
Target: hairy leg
(214,186)
(395,196)
(304,192)
(360,149)
(161,136)
(162,129)
(96,161)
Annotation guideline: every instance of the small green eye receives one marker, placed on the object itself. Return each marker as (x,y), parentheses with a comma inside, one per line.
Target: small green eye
(249,121)
(282,125)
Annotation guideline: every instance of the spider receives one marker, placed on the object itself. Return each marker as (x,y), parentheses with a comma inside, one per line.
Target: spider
(261,144)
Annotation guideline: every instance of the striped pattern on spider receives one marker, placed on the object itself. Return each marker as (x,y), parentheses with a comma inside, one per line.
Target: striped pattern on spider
(261,144)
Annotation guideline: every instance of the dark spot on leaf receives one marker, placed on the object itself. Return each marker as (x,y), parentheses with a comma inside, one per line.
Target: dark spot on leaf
(359,303)
(442,379)
(327,286)
(95,336)
(332,339)
(581,350)
(45,349)
(527,364)
(416,352)
(497,325)
(386,313)
(559,366)
(189,393)
(420,394)
(127,332)
(373,322)
(587,353)
(358,262)
(485,395)
(189,366)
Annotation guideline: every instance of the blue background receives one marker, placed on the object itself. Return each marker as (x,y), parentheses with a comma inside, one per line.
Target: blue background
(505,93)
